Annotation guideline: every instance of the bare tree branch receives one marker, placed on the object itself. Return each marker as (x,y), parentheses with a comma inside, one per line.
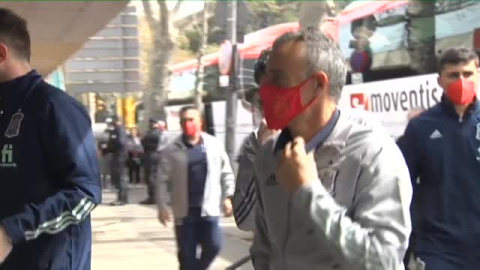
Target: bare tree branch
(148,13)
(164,18)
(176,8)
(200,74)
(152,82)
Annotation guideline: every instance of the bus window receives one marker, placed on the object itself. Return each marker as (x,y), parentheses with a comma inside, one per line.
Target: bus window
(381,38)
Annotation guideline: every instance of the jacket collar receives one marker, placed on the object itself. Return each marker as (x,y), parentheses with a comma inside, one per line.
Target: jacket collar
(339,135)
(179,141)
(319,139)
(18,84)
(449,108)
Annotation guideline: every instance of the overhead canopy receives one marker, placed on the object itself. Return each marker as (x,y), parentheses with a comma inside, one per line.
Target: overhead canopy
(360,8)
(257,41)
(59,28)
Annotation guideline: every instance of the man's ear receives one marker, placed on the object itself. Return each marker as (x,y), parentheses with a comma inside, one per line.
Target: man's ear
(439,80)
(322,80)
(3,52)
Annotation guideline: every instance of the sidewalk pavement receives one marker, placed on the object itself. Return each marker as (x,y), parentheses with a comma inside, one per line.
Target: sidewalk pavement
(130,237)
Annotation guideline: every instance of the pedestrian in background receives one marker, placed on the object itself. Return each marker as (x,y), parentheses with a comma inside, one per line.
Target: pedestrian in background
(118,147)
(202,184)
(135,155)
(150,143)
(245,198)
(442,150)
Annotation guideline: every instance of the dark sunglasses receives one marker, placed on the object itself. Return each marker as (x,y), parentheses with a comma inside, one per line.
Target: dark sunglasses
(261,64)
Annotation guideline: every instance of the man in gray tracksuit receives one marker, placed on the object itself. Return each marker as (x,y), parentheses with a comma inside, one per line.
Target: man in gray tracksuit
(244,198)
(334,190)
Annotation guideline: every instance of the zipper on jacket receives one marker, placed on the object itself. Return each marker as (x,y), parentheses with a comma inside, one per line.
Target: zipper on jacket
(207,191)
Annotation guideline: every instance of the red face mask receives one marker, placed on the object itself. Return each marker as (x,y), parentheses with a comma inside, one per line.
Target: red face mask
(282,105)
(191,129)
(462,91)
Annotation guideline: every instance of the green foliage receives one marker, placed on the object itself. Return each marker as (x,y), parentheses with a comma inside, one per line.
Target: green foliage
(191,37)
(267,13)
(211,48)
(183,42)
(262,14)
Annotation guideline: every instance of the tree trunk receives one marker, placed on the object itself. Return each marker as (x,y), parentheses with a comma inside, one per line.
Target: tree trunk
(152,82)
(200,74)
(421,35)
(161,54)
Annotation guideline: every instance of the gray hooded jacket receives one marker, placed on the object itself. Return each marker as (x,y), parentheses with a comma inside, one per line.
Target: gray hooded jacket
(244,198)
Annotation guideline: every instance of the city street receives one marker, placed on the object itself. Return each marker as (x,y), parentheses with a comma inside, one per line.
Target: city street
(208,99)
(130,237)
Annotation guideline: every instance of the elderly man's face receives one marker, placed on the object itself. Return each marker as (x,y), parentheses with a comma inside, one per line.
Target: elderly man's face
(287,65)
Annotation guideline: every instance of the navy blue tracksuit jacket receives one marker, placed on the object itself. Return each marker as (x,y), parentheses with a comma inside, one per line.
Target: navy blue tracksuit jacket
(443,152)
(49,176)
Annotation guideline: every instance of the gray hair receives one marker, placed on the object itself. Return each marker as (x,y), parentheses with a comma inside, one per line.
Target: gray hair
(323,54)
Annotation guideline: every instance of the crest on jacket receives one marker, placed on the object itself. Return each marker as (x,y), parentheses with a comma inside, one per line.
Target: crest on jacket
(271,181)
(13,129)
(328,176)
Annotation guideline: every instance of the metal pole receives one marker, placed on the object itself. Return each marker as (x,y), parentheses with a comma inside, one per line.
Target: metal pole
(231,98)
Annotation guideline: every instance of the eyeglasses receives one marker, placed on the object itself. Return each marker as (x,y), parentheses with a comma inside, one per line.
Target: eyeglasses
(261,64)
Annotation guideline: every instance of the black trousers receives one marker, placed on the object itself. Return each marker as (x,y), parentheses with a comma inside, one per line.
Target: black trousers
(150,166)
(134,172)
(119,177)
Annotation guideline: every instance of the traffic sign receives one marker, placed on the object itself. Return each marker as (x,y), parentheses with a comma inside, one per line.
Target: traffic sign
(225,57)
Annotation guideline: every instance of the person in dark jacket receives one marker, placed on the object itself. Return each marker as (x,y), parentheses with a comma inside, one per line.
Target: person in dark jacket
(442,149)
(118,147)
(244,198)
(150,145)
(49,173)
(135,153)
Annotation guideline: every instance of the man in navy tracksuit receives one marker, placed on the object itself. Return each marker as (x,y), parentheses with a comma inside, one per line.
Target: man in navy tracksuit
(49,175)
(442,150)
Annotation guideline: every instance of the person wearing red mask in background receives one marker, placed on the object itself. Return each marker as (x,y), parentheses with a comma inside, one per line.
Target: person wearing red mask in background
(334,190)
(202,181)
(442,150)
(244,198)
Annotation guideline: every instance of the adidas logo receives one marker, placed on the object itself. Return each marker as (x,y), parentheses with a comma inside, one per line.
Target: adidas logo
(271,181)
(436,134)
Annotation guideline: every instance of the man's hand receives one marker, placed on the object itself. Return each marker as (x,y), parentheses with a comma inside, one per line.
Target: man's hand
(5,245)
(296,167)
(164,217)
(264,133)
(227,207)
